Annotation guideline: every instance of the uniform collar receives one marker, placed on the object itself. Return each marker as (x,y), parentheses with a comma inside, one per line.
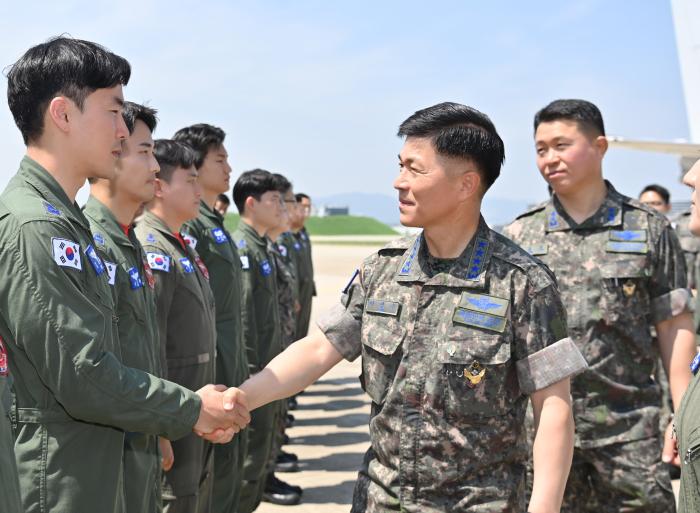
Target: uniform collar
(38,177)
(468,271)
(210,214)
(153,221)
(97,210)
(250,232)
(608,214)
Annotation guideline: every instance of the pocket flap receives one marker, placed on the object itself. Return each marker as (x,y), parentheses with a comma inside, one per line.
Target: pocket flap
(625,268)
(486,351)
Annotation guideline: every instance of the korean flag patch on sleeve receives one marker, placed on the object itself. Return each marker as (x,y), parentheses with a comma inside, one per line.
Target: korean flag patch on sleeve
(111,272)
(158,262)
(189,240)
(66,253)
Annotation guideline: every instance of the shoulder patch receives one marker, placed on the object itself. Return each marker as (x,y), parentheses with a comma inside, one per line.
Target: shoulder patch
(99,239)
(189,240)
(66,253)
(158,262)
(187,266)
(219,235)
(245,263)
(95,260)
(50,209)
(111,268)
(151,238)
(135,280)
(265,268)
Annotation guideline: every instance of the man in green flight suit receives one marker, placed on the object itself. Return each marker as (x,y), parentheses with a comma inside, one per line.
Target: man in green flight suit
(259,202)
(185,314)
(110,209)
(207,235)
(73,397)
(305,266)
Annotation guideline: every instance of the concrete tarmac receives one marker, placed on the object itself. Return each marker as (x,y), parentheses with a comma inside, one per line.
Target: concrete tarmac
(330,435)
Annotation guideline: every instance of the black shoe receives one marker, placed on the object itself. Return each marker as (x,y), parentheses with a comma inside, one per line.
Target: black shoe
(289,421)
(292,403)
(275,493)
(285,439)
(674,471)
(285,486)
(287,462)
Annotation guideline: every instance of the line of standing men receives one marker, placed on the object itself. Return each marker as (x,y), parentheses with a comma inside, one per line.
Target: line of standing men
(107,329)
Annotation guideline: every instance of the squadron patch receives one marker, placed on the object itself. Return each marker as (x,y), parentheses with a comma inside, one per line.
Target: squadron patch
(66,253)
(111,272)
(95,260)
(158,262)
(265,268)
(135,278)
(187,266)
(189,240)
(219,235)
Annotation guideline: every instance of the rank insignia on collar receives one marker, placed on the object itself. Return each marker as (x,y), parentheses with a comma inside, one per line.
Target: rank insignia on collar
(50,209)
(150,238)
(478,259)
(553,220)
(474,374)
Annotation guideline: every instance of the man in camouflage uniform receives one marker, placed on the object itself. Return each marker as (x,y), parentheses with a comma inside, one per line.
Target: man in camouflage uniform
(620,270)
(185,314)
(207,235)
(110,209)
(456,329)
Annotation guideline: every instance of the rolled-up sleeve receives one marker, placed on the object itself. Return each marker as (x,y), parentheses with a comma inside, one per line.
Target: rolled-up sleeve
(544,353)
(668,288)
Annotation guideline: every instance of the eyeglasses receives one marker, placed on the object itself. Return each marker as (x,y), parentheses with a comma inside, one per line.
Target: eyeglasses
(655,203)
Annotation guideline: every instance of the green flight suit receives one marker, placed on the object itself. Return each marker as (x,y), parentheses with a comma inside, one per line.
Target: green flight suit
(134,296)
(73,397)
(305,277)
(262,337)
(10,501)
(207,235)
(187,327)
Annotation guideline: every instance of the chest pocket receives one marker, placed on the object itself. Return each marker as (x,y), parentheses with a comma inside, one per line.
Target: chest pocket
(478,374)
(625,294)
(382,336)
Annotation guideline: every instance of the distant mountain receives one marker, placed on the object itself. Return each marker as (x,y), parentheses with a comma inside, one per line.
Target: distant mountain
(497,211)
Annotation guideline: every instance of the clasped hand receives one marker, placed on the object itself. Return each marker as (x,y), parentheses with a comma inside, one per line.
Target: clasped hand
(224,412)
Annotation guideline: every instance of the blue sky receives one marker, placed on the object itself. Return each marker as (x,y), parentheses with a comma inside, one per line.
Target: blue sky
(316,89)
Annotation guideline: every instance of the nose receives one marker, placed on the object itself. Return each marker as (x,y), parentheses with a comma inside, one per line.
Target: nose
(690,178)
(400,182)
(121,129)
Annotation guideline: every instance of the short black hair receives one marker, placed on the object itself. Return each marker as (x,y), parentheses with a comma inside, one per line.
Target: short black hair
(300,196)
(223,199)
(658,189)
(201,138)
(253,183)
(134,112)
(61,66)
(172,155)
(584,113)
(457,130)
(283,184)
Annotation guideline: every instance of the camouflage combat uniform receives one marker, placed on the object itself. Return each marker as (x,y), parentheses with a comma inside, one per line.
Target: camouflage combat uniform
(691,247)
(620,272)
(305,277)
(287,288)
(449,359)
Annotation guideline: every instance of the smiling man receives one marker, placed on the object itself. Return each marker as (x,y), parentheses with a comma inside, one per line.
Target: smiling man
(621,270)
(457,328)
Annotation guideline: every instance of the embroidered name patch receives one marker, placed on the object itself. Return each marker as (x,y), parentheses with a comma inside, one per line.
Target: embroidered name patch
(628,235)
(537,249)
(265,268)
(66,253)
(380,306)
(219,235)
(158,262)
(480,320)
(95,260)
(111,272)
(186,265)
(135,278)
(483,303)
(626,247)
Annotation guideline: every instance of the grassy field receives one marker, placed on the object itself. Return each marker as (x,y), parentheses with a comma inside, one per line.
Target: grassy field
(333,225)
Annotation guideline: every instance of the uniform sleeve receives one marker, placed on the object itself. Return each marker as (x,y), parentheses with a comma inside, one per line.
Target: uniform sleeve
(248,314)
(64,332)
(342,324)
(668,287)
(164,292)
(543,351)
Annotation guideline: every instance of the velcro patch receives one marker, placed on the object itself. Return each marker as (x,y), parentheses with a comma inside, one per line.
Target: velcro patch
(380,306)
(626,247)
(186,265)
(537,249)
(135,279)
(95,260)
(189,240)
(483,303)
(245,263)
(111,272)
(219,235)
(628,235)
(282,249)
(66,253)
(50,209)
(480,320)
(265,268)
(158,262)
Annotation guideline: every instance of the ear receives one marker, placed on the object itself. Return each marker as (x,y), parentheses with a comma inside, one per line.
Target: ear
(469,185)
(59,113)
(159,186)
(601,144)
(250,204)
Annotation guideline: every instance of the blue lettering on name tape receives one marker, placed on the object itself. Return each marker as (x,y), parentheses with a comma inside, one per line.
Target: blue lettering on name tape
(186,265)
(265,268)
(219,235)
(135,278)
(95,260)
(480,320)
(628,235)
(626,247)
(695,365)
(99,239)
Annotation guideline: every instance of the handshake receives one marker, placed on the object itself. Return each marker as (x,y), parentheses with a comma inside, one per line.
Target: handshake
(224,412)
